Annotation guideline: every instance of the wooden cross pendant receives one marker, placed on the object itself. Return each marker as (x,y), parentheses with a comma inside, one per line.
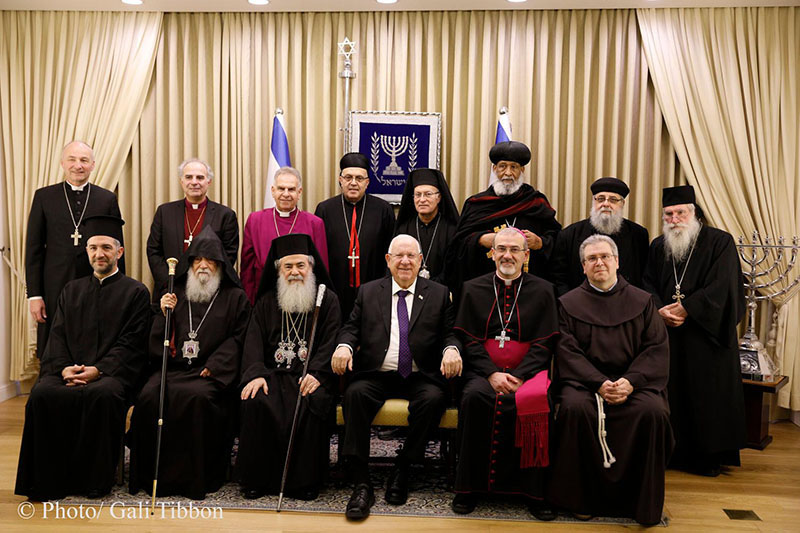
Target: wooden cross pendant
(76,237)
(502,338)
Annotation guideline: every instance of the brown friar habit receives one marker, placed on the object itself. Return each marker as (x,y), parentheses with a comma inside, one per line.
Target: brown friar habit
(198,411)
(266,420)
(607,336)
(525,209)
(488,423)
(72,435)
(705,382)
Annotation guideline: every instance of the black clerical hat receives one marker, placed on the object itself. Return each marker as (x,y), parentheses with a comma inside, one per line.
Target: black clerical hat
(683,194)
(354,159)
(610,185)
(510,151)
(207,244)
(293,243)
(426,176)
(107,225)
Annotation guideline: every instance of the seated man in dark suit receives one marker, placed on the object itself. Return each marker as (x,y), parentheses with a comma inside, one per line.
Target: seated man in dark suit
(401,332)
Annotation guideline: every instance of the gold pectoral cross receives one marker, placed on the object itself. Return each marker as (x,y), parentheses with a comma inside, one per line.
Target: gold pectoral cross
(678,296)
(76,237)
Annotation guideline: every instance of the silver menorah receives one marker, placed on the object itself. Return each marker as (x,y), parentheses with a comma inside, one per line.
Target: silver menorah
(763,257)
(395,147)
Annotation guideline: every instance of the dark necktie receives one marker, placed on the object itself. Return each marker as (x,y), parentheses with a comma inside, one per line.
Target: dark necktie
(404,352)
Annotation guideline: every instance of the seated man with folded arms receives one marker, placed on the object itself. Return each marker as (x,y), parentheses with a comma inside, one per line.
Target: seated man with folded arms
(612,428)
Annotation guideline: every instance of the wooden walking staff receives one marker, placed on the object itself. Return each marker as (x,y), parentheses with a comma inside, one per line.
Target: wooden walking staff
(172,262)
(320,295)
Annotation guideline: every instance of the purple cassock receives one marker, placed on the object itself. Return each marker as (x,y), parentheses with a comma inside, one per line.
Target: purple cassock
(263,226)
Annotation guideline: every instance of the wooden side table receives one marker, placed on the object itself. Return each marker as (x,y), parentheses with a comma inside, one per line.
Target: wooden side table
(756,407)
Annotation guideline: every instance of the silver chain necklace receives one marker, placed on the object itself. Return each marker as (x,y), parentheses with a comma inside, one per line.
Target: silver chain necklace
(678,296)
(285,352)
(75,235)
(502,337)
(275,220)
(424,272)
(344,215)
(191,348)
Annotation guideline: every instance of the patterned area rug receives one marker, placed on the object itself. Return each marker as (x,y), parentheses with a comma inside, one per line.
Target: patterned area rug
(429,494)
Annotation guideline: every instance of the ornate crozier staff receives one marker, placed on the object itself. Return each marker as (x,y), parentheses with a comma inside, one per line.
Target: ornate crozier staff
(320,295)
(172,262)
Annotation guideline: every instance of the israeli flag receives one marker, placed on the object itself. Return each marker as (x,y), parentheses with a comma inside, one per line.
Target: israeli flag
(278,155)
(503,133)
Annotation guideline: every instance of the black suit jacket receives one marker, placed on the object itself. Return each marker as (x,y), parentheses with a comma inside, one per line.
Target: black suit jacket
(166,237)
(430,328)
(51,259)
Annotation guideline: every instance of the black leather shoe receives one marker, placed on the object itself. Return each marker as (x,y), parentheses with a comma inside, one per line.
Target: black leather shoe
(252,494)
(542,511)
(397,487)
(361,501)
(464,503)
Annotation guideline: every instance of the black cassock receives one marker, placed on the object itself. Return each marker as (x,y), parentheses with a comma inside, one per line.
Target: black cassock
(72,435)
(607,336)
(633,243)
(266,420)
(433,240)
(51,257)
(525,209)
(705,382)
(490,461)
(198,412)
(374,238)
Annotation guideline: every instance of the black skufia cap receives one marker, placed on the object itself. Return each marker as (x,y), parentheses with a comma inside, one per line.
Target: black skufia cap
(107,225)
(354,159)
(610,184)
(683,194)
(510,151)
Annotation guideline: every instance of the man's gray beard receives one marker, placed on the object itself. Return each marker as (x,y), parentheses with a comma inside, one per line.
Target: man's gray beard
(200,289)
(501,189)
(678,241)
(297,297)
(607,223)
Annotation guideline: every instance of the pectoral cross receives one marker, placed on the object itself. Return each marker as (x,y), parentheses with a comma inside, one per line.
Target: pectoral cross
(502,338)
(678,296)
(76,237)
(188,242)
(353,257)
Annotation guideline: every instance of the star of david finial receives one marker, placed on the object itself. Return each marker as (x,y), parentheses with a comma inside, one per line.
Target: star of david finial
(347,48)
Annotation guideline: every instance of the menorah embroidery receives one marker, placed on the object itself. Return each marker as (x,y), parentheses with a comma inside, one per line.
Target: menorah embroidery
(394,146)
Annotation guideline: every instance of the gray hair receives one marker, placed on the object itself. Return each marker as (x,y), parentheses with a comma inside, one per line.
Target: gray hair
(289,170)
(209,172)
(64,149)
(278,262)
(404,237)
(514,232)
(597,239)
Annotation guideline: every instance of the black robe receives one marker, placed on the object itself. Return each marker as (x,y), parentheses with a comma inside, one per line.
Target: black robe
(266,420)
(51,258)
(633,242)
(489,461)
(376,234)
(525,209)
(705,385)
(198,412)
(434,254)
(607,336)
(72,435)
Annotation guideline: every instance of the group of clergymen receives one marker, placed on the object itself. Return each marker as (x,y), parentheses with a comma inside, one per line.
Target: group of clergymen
(576,403)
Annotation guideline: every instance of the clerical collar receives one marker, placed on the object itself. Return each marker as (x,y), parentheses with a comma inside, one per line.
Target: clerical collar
(412,289)
(195,206)
(507,282)
(598,289)
(284,214)
(432,220)
(356,203)
(104,278)
(77,187)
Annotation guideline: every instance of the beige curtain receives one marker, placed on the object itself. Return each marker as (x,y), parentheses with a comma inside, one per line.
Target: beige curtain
(576,83)
(728,83)
(65,75)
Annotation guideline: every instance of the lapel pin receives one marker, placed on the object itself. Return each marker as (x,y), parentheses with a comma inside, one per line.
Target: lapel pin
(420,297)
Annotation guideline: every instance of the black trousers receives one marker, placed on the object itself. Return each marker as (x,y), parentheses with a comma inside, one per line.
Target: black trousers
(365,396)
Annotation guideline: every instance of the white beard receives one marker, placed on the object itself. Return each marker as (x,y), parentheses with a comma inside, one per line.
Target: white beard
(501,189)
(678,239)
(201,287)
(607,223)
(297,297)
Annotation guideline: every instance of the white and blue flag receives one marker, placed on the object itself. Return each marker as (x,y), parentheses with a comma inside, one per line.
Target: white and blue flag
(278,155)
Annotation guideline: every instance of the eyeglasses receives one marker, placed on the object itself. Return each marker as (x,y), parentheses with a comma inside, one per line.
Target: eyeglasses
(613,200)
(426,195)
(503,249)
(605,258)
(515,167)
(680,214)
(359,179)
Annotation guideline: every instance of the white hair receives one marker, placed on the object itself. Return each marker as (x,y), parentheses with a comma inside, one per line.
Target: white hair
(291,171)
(297,297)
(310,258)
(514,232)
(407,238)
(209,172)
(597,239)
(201,288)
(501,189)
(608,223)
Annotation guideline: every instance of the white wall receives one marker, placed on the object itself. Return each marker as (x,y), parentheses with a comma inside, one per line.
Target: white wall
(8,389)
